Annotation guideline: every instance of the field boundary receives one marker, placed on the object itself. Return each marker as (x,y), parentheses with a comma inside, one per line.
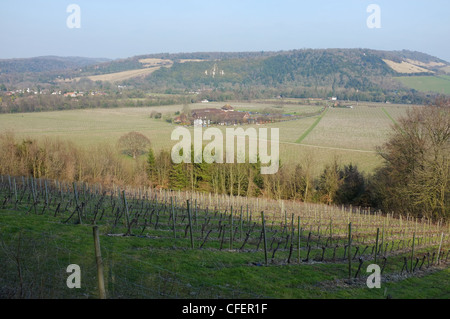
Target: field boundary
(306,133)
(390,117)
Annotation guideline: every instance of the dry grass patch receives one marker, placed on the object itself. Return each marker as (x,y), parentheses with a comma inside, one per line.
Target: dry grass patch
(406,67)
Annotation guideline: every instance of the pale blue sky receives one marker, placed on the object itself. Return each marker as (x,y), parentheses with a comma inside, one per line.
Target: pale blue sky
(118,29)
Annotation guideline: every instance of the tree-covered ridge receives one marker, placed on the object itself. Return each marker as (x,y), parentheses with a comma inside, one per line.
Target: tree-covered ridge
(348,74)
(45,64)
(337,68)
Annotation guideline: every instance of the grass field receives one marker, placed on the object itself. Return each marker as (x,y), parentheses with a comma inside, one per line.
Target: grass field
(122,76)
(438,84)
(350,135)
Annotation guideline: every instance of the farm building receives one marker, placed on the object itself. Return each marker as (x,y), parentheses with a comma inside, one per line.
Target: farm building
(181,119)
(227,108)
(224,116)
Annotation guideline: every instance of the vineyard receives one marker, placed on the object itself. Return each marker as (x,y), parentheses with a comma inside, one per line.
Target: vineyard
(171,244)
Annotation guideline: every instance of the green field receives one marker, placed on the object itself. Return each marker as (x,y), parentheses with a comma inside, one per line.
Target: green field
(350,135)
(152,261)
(438,84)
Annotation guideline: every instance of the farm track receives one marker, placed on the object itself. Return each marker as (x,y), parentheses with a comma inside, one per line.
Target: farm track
(309,130)
(389,116)
(330,148)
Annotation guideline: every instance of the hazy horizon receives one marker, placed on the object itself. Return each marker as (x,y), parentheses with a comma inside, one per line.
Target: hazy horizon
(120,29)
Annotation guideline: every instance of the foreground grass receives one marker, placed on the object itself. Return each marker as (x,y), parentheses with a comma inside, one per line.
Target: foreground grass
(36,249)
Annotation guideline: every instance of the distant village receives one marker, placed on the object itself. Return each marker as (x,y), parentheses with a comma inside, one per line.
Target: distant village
(227,115)
(56,92)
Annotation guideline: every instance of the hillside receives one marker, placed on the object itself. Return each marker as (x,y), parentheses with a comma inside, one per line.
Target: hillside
(355,74)
(46,64)
(20,73)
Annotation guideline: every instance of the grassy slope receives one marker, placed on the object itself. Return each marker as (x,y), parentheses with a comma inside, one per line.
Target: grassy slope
(438,84)
(154,267)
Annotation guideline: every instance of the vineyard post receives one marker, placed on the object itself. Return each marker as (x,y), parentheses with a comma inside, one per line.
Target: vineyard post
(376,245)
(299,234)
(33,193)
(292,229)
(231,227)
(190,224)
(15,189)
(349,250)
(264,237)
(195,218)
(98,258)
(46,193)
(248,217)
(173,217)
(423,232)
(240,225)
(382,238)
(412,250)
(439,250)
(125,204)
(331,231)
(60,191)
(76,202)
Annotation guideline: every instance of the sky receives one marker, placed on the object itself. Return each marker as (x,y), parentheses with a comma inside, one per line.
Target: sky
(120,29)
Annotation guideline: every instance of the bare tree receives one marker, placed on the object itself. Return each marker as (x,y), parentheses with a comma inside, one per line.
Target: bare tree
(416,177)
(133,144)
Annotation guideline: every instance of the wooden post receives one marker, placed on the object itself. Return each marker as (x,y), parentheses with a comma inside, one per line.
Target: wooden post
(264,237)
(412,251)
(349,250)
(248,218)
(125,205)
(439,250)
(76,202)
(190,224)
(173,218)
(98,258)
(15,189)
(231,227)
(299,234)
(240,226)
(195,218)
(331,231)
(46,193)
(291,246)
(376,245)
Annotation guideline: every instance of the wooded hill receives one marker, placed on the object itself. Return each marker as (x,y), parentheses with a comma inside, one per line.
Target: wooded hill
(359,74)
